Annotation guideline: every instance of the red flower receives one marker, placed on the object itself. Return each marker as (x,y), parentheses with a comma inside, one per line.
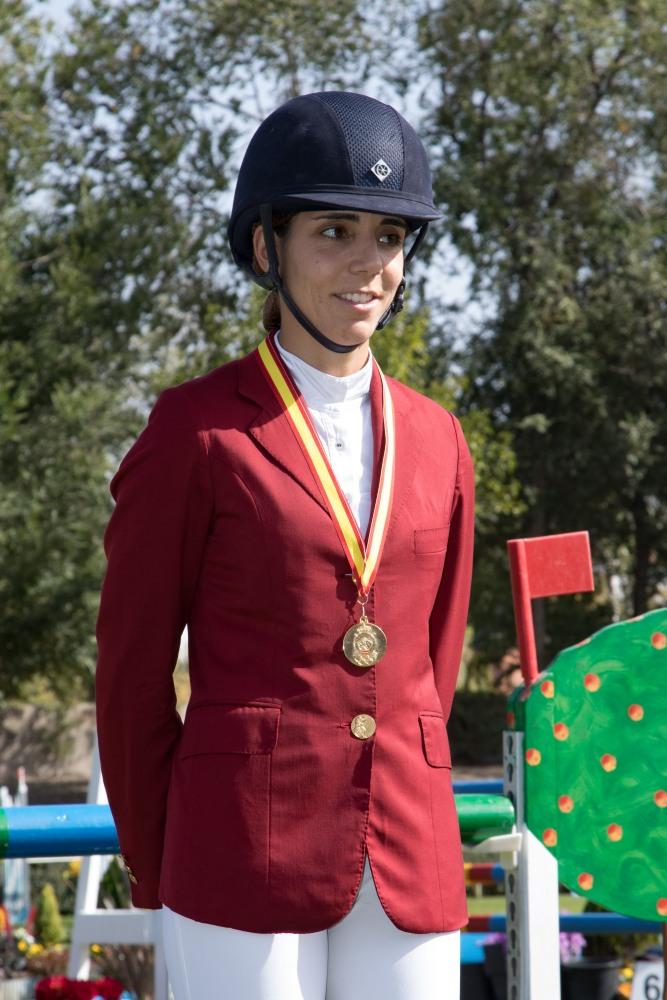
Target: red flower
(109,989)
(59,988)
(52,988)
(81,989)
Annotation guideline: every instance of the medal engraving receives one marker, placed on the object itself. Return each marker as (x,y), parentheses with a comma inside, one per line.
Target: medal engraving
(365,643)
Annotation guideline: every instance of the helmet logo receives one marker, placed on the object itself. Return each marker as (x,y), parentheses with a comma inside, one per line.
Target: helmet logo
(381,170)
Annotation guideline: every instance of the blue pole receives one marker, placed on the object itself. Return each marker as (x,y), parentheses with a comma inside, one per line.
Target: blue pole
(584,923)
(51,831)
(486,786)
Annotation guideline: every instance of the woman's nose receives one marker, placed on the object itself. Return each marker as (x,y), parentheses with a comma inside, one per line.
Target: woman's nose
(366,256)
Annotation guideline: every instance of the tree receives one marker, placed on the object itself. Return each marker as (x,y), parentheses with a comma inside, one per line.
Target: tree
(60,378)
(49,928)
(550,138)
(37,485)
(115,156)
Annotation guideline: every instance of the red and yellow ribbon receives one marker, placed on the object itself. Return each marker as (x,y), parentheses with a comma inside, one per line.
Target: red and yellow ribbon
(364,560)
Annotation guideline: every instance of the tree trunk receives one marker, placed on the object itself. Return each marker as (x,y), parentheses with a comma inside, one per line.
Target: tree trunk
(642,555)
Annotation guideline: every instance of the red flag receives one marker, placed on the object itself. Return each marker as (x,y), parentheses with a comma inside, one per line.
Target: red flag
(544,567)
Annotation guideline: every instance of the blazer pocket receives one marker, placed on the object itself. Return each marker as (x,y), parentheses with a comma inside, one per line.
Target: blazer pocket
(431,539)
(221,727)
(434,739)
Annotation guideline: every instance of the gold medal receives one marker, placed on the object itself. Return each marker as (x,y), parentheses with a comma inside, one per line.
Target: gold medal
(364,643)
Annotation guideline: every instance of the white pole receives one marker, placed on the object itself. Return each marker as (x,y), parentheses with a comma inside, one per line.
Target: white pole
(533,951)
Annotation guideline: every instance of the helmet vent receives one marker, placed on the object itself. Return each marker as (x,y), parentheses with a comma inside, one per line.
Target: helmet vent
(373,136)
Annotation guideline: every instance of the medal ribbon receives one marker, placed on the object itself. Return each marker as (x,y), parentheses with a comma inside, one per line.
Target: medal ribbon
(364,561)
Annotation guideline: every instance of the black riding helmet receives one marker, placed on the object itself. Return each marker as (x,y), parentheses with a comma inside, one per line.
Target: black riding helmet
(333,149)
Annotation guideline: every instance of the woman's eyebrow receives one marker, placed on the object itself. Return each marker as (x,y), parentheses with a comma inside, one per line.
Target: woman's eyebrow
(352,217)
(346,216)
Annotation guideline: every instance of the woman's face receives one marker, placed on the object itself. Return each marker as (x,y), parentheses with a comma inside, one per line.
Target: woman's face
(342,268)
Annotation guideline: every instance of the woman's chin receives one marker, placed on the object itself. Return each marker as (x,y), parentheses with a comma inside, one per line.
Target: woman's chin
(357,332)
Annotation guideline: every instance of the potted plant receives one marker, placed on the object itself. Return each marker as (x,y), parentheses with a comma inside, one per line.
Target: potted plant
(585,977)
(15,980)
(41,941)
(495,964)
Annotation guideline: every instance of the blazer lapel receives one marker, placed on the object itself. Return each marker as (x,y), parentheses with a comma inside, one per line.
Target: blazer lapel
(378,439)
(409,442)
(271,428)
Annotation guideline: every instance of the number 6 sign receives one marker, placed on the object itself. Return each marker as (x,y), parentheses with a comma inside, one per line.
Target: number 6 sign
(647,983)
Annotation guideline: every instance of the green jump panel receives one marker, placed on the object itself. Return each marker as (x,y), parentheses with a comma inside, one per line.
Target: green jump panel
(482,816)
(595,764)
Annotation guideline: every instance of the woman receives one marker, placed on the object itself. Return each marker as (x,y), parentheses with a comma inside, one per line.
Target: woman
(311,522)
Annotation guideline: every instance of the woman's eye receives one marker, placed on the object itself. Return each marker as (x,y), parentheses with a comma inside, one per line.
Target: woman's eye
(392,239)
(333,232)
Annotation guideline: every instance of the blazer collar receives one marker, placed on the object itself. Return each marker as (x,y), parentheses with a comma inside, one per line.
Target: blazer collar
(272,431)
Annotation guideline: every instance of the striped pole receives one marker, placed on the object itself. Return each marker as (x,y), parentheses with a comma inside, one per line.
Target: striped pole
(60,830)
(584,923)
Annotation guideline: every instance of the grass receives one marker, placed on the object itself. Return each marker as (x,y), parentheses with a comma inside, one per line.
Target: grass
(496,904)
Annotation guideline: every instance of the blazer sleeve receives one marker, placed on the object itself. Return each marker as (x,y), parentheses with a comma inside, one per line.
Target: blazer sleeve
(450,611)
(153,543)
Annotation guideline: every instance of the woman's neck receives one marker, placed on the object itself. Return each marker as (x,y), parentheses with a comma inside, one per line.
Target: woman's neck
(313,353)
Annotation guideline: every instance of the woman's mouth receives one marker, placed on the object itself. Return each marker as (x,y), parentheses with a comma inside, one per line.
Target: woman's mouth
(361,301)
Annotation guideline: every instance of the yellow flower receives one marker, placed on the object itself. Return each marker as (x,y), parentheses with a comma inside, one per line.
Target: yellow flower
(35,949)
(22,946)
(74,866)
(95,948)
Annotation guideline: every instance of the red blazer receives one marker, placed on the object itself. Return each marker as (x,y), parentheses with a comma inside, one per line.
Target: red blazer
(257,811)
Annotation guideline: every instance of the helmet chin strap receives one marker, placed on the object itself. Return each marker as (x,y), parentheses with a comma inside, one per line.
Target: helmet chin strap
(266,218)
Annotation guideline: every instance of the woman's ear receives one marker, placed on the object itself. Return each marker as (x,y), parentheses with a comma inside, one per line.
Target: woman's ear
(261,257)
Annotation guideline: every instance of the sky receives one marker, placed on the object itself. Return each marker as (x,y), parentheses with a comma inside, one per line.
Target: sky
(56,10)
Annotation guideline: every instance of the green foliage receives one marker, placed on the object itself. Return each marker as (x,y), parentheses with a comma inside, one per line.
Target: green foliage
(49,929)
(62,878)
(114,887)
(22,119)
(293,46)
(50,453)
(402,351)
(97,253)
(550,143)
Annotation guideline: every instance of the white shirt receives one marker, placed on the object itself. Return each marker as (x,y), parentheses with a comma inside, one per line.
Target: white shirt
(340,408)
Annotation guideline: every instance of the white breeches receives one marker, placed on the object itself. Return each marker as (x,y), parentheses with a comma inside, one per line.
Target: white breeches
(364,955)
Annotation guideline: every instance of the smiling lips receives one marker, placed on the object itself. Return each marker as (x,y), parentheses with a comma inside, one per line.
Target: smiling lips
(357,298)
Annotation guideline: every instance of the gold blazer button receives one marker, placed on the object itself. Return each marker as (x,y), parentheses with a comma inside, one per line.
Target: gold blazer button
(130,874)
(363,726)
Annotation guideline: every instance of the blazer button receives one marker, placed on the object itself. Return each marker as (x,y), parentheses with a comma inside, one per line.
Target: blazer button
(130,874)
(363,726)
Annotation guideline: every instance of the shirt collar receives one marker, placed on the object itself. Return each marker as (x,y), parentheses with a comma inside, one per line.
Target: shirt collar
(320,388)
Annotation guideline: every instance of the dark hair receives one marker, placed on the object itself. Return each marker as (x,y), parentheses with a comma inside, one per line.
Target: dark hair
(271,309)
